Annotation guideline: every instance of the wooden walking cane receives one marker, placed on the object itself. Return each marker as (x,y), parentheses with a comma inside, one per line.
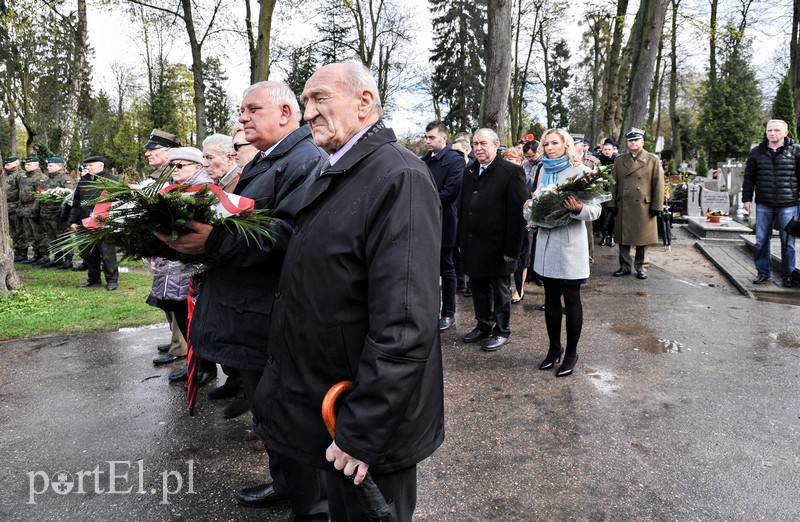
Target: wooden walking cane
(375,507)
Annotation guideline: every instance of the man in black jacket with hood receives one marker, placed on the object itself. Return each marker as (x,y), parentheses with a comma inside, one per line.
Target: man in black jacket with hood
(773,171)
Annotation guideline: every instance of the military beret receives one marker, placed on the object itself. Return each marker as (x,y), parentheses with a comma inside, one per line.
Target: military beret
(31,159)
(185,153)
(634,134)
(55,159)
(94,159)
(159,139)
(9,159)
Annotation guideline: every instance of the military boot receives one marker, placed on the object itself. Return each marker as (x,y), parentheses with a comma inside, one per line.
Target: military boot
(66,264)
(20,255)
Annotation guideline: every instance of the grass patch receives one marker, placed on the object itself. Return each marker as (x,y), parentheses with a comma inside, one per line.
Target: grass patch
(50,303)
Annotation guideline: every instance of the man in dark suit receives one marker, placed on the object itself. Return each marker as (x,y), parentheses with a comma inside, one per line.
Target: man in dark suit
(232,316)
(491,226)
(447,167)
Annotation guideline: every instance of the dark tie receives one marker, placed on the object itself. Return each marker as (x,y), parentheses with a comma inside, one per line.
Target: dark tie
(480,172)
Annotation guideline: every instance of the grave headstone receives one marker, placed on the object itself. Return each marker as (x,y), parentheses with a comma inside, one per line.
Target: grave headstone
(693,200)
(714,200)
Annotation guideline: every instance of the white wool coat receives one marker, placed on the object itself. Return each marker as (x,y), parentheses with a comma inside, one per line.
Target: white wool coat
(563,252)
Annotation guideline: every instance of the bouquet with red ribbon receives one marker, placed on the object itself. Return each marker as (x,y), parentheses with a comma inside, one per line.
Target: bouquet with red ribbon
(128,215)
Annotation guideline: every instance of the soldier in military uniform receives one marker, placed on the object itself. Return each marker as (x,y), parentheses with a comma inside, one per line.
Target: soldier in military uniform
(29,184)
(50,219)
(156,148)
(13,175)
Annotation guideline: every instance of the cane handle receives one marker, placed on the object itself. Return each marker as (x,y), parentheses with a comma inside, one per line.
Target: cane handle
(328,416)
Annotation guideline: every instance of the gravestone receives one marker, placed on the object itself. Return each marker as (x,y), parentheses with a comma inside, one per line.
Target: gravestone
(711,184)
(713,200)
(693,200)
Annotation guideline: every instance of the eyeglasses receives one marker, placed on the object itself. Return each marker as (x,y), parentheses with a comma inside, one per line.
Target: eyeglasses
(237,146)
(179,166)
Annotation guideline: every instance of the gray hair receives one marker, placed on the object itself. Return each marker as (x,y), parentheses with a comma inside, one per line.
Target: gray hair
(782,124)
(279,94)
(222,142)
(491,132)
(356,78)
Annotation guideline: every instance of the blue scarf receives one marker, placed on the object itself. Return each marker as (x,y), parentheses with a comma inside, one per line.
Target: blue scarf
(552,167)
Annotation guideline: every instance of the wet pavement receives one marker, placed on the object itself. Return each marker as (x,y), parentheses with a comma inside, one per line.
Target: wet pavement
(684,406)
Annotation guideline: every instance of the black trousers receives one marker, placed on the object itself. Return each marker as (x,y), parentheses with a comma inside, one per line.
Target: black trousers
(447,271)
(102,256)
(491,297)
(303,485)
(398,486)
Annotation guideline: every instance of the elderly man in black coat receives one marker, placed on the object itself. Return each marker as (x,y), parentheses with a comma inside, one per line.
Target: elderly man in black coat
(447,167)
(231,320)
(491,226)
(357,301)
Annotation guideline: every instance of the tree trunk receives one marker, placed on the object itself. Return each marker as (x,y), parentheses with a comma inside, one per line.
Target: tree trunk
(647,27)
(8,276)
(251,42)
(712,46)
(675,121)
(498,65)
(794,61)
(612,90)
(75,83)
(197,74)
(548,91)
(655,90)
(261,71)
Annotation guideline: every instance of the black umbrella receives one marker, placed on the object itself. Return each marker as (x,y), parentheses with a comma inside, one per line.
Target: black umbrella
(375,507)
(666,227)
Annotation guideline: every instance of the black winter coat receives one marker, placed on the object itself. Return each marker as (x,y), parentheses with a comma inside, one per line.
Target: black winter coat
(359,300)
(773,174)
(83,193)
(230,324)
(447,170)
(490,218)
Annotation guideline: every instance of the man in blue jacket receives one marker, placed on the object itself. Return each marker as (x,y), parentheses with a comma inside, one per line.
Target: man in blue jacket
(447,167)
(772,171)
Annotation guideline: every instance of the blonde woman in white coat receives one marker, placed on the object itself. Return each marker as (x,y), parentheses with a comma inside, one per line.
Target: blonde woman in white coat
(562,253)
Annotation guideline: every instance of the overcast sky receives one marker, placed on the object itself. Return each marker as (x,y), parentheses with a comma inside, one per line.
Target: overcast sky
(115,40)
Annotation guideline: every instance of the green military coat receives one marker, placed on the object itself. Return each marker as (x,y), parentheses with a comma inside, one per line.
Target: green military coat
(639,189)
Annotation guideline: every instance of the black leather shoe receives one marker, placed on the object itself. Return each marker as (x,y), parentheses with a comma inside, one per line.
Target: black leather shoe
(621,272)
(87,284)
(205,377)
(223,392)
(179,375)
(641,274)
(260,496)
(761,279)
(236,408)
(552,357)
(111,286)
(788,282)
(474,336)
(567,366)
(445,323)
(167,358)
(163,347)
(494,343)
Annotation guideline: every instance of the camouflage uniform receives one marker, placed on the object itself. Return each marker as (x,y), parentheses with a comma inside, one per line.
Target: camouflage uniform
(29,184)
(50,216)
(12,204)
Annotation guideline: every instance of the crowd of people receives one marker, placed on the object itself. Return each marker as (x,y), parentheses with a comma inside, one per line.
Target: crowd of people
(385,215)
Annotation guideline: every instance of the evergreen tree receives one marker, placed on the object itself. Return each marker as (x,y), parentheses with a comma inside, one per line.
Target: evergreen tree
(459,71)
(559,83)
(336,29)
(731,116)
(783,106)
(218,104)
(302,65)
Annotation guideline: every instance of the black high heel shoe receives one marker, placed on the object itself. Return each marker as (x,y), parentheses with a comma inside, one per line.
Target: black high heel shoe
(552,358)
(567,367)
